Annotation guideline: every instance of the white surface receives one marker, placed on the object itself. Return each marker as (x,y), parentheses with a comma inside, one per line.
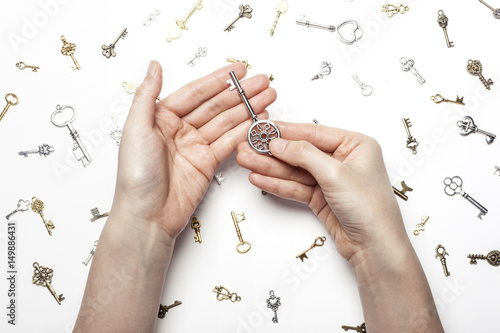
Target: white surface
(320,294)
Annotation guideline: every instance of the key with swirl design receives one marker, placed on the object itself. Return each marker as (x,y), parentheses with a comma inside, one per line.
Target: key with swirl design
(493,258)
(68,49)
(109,50)
(475,68)
(467,126)
(407,65)
(202,52)
(223,294)
(245,11)
(43,277)
(38,206)
(274,303)
(453,186)
(42,150)
(443,23)
(22,206)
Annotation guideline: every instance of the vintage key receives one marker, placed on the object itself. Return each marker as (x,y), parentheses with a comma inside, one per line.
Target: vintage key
(421,226)
(22,206)
(152,17)
(245,11)
(401,193)
(453,186)
(442,258)
(38,206)
(244,62)
(116,132)
(439,99)
(261,132)
(493,258)
(96,215)
(496,11)
(94,247)
(392,10)
(218,178)
(21,65)
(411,143)
(366,90)
(443,23)
(42,150)
(497,169)
(355,33)
(195,225)
(475,68)
(319,241)
(175,31)
(68,49)
(273,303)
(407,65)
(324,70)
(281,7)
(223,294)
(202,52)
(243,246)
(467,127)
(79,149)
(43,277)
(11,99)
(360,329)
(109,50)
(164,309)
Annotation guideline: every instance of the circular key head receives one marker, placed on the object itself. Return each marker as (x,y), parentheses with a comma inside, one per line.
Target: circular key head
(494,258)
(453,185)
(281,6)
(37,205)
(60,110)
(174,32)
(243,247)
(442,19)
(496,13)
(474,67)
(260,135)
(11,99)
(406,64)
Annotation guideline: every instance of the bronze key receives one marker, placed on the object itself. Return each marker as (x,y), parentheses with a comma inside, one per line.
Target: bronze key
(37,206)
(43,277)
(493,258)
(442,258)
(13,100)
(164,309)
(401,193)
(319,241)
(360,329)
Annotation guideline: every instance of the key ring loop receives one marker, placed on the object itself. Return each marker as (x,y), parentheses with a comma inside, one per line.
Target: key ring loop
(12,97)
(355,37)
(318,240)
(60,109)
(437,98)
(243,245)
(453,185)
(365,88)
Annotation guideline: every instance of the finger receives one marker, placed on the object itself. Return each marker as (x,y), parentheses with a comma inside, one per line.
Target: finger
(286,189)
(226,100)
(231,118)
(194,94)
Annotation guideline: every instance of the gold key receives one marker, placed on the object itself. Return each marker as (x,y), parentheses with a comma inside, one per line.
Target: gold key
(242,246)
(244,62)
(319,241)
(401,193)
(392,10)
(281,8)
(421,226)
(11,100)
(195,224)
(360,329)
(37,206)
(68,49)
(175,31)
(21,65)
(164,309)
(223,293)
(442,258)
(493,258)
(439,99)
(43,277)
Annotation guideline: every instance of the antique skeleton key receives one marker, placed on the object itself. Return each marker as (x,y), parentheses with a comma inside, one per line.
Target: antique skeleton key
(195,225)
(43,277)
(354,36)
(493,258)
(475,68)
(407,65)
(164,309)
(319,241)
(223,293)
(152,17)
(202,52)
(441,257)
(453,186)
(94,247)
(245,11)
(244,62)
(243,246)
(439,99)
(11,99)
(401,193)
(325,69)
(281,7)
(360,329)
(496,11)
(21,65)
(38,206)
(421,226)
(273,303)
(22,206)
(96,215)
(411,143)
(443,23)
(109,50)
(175,31)
(68,49)
(392,10)
(42,150)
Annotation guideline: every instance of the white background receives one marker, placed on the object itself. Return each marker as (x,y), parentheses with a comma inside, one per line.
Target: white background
(320,294)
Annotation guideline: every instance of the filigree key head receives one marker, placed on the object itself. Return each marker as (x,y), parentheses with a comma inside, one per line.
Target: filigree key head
(474,67)
(467,126)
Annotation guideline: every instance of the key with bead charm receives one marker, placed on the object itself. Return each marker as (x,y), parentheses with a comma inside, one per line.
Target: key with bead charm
(245,11)
(475,68)
(493,258)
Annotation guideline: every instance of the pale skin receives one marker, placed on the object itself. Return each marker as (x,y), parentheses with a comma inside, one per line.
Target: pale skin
(168,155)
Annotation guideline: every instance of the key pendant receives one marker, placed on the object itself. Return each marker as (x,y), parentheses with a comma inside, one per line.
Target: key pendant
(441,257)
(493,258)
(324,70)
(11,99)
(38,206)
(21,65)
(175,31)
(195,225)
(152,17)
(261,132)
(366,90)
(79,149)
(96,215)
(496,11)
(223,294)
(443,23)
(109,50)
(467,126)
(218,178)
(319,241)
(164,309)
(453,186)
(281,7)
(244,62)
(273,303)
(94,247)
(475,68)
(355,32)
(411,143)
(68,49)
(245,11)
(22,206)
(42,150)
(360,329)
(202,52)
(439,99)
(43,277)
(392,10)
(407,65)
(421,226)
(243,246)
(401,193)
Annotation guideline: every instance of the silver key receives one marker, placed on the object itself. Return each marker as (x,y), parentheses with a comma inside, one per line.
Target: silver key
(116,132)
(79,149)
(443,23)
(453,186)
(152,17)
(42,150)
(467,127)
(245,11)
(496,11)
(324,70)
(366,90)
(407,65)
(109,50)
(218,178)
(355,34)
(94,247)
(22,206)
(273,303)
(202,52)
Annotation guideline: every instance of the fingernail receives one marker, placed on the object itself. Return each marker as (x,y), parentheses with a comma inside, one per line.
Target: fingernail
(152,68)
(278,145)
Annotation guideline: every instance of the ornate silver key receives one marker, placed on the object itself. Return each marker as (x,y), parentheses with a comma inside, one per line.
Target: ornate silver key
(443,23)
(281,7)
(152,17)
(21,65)
(356,33)
(94,247)
(218,178)
(493,258)
(442,258)
(261,132)
(11,99)
(324,70)
(366,90)
(79,149)
(392,10)
(164,309)
(475,68)
(22,206)
(360,329)
(109,50)
(116,132)
(273,303)
(496,11)
(467,127)
(42,150)
(411,143)
(407,65)
(453,186)
(245,11)
(202,52)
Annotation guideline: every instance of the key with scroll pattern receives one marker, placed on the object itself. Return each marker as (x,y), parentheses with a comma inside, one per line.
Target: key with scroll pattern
(22,206)
(496,11)
(467,126)
(202,52)
(42,150)
(493,258)
(475,68)
(274,303)
(38,206)
(453,186)
(281,7)
(42,276)
(109,50)
(68,49)
(443,23)
(407,65)
(245,11)
(441,257)
(319,241)
(411,143)
(94,247)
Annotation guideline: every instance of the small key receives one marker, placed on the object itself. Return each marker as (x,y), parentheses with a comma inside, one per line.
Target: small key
(243,246)
(22,206)
(443,23)
(164,309)
(442,258)
(496,11)
(453,186)
(319,241)
(43,277)
(493,258)
(218,178)
(360,329)
(401,193)
(245,11)
(475,68)
(273,303)
(439,99)
(244,62)
(355,34)
(152,17)
(467,127)
(324,70)
(407,65)
(79,149)
(411,143)
(42,150)
(109,50)
(497,169)
(68,49)
(96,215)
(202,52)
(21,65)
(116,132)
(392,10)
(366,90)
(38,206)
(195,225)
(421,226)
(281,7)
(94,247)
(175,31)
(11,99)
(224,294)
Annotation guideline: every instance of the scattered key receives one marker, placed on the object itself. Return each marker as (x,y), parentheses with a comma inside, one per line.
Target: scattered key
(68,49)
(79,149)
(453,186)
(324,70)
(439,99)
(496,11)
(11,99)
(411,143)
(319,241)
(218,178)
(497,169)
(38,206)
(175,31)
(407,65)
(273,303)
(243,246)
(316,122)
(443,23)
(43,277)
(152,17)
(42,150)
(355,34)
(94,247)
(360,329)
(22,206)
(493,258)
(366,90)
(224,294)
(21,65)
(131,87)
(467,127)
(442,258)
(271,78)
(116,132)
(109,50)
(96,215)
(475,68)
(421,226)
(244,62)
(202,52)
(401,193)
(281,7)
(392,10)
(164,309)
(195,225)
(245,11)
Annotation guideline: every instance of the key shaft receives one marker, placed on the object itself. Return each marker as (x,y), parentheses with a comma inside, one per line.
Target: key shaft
(483,211)
(496,11)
